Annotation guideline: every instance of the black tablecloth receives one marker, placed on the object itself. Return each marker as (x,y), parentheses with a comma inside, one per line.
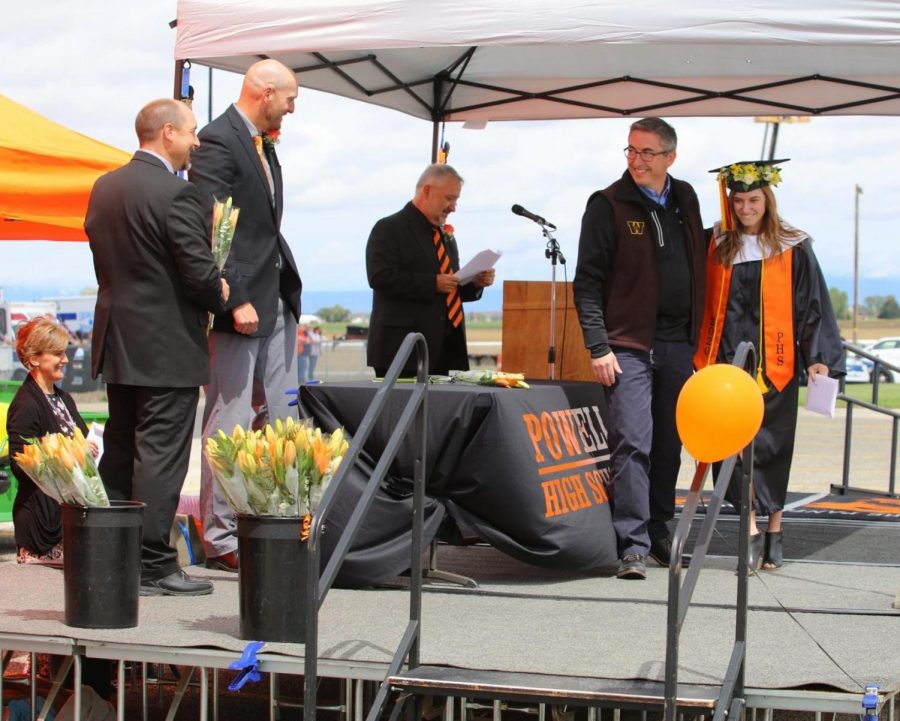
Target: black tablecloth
(525,470)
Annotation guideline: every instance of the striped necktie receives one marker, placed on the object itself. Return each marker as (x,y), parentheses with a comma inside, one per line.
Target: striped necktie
(454,302)
(258,144)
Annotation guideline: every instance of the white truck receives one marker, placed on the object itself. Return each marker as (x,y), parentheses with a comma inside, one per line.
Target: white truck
(12,313)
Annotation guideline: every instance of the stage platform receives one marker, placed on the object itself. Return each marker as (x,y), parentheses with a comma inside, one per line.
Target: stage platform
(820,631)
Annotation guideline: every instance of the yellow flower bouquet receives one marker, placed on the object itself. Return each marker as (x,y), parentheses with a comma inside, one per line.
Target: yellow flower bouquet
(224,223)
(64,469)
(281,470)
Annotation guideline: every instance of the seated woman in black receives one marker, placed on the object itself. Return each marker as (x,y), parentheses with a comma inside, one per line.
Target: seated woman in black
(39,407)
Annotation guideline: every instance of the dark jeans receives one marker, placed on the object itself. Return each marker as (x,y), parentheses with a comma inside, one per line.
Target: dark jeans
(644,442)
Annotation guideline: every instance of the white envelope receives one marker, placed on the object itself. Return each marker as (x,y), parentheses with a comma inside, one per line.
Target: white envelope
(821,395)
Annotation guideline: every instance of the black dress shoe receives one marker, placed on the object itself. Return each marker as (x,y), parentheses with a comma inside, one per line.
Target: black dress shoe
(176,584)
(661,552)
(225,562)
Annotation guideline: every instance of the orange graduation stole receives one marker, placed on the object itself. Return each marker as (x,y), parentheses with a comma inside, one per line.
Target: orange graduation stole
(776,315)
(454,302)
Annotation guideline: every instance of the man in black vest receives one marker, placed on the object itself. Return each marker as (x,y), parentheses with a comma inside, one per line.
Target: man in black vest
(639,289)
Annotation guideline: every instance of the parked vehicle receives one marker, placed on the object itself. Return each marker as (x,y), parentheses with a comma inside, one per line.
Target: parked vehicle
(857,370)
(9,365)
(887,349)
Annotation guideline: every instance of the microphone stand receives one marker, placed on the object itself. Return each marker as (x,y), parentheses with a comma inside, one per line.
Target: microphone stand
(554,254)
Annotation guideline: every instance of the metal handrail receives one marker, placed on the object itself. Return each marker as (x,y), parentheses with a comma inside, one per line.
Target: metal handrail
(731,696)
(413,418)
(844,487)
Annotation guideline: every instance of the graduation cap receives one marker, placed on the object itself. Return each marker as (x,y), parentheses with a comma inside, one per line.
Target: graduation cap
(742,177)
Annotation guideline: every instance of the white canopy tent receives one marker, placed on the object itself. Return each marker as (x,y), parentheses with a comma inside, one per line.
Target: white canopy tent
(543,59)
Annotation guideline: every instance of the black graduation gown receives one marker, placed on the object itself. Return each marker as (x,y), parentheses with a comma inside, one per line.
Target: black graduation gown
(817,340)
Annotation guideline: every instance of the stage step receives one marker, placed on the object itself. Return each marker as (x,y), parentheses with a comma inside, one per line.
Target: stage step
(543,688)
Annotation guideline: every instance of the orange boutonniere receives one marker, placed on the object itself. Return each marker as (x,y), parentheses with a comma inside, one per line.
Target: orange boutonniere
(271,138)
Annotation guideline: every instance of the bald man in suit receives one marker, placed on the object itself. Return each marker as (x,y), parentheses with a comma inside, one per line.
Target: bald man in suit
(252,346)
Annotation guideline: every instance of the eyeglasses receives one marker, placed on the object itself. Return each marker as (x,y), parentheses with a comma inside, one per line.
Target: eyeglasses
(646,155)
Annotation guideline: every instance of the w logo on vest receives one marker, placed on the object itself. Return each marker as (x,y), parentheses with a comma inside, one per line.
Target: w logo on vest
(635,227)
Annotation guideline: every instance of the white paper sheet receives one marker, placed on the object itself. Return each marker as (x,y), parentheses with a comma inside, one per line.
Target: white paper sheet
(95,433)
(482,261)
(821,395)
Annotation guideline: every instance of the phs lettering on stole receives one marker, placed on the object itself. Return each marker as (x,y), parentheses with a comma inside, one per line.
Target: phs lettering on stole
(570,446)
(779,348)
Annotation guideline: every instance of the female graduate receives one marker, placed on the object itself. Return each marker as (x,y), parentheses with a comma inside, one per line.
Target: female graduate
(764,285)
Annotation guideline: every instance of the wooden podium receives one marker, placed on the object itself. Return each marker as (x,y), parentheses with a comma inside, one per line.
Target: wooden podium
(526,332)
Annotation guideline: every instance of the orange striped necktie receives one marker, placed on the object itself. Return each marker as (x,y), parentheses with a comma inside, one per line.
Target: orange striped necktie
(454,302)
(267,171)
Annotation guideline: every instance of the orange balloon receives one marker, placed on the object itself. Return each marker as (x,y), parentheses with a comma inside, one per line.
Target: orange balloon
(719,411)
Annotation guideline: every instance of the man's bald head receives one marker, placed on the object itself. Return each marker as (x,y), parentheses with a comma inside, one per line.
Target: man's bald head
(268,94)
(265,75)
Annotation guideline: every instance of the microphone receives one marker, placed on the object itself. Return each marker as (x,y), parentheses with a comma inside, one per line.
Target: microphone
(519,210)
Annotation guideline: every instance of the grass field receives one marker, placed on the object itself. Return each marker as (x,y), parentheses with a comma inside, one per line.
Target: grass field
(888,394)
(869,328)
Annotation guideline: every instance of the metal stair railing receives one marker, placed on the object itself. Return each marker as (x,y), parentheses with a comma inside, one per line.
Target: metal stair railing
(877,374)
(412,419)
(731,701)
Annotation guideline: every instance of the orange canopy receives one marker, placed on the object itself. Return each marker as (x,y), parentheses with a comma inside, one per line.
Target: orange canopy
(46,175)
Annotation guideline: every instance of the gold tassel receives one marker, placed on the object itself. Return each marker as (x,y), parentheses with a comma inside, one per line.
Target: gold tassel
(727,223)
(761,381)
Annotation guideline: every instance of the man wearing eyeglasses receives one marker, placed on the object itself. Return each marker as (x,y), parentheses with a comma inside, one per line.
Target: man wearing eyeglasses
(639,289)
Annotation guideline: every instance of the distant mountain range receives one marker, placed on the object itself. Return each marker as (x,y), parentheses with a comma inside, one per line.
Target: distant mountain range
(360,301)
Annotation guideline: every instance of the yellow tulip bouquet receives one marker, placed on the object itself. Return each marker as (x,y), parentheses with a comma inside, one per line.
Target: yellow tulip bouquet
(282,470)
(224,223)
(64,469)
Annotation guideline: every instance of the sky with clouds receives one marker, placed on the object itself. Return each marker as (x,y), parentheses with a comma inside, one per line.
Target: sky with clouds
(92,64)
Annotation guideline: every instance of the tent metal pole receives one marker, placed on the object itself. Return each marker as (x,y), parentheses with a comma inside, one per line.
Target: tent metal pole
(179,70)
(436,114)
(435,139)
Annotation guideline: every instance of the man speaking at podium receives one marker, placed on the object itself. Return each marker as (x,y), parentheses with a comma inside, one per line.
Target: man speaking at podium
(411,263)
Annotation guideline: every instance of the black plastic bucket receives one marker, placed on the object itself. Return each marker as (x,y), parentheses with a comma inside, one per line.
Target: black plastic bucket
(272,575)
(102,564)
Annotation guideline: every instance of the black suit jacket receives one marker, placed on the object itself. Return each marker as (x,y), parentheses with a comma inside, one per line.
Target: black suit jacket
(157,276)
(401,265)
(37,517)
(227,165)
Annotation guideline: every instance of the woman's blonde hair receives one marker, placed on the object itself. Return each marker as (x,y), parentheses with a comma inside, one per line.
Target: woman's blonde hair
(40,335)
(771,233)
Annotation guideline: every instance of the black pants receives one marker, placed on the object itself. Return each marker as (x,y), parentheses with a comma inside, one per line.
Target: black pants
(147,449)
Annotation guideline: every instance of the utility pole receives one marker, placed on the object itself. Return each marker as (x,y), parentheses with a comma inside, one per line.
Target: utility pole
(856,195)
